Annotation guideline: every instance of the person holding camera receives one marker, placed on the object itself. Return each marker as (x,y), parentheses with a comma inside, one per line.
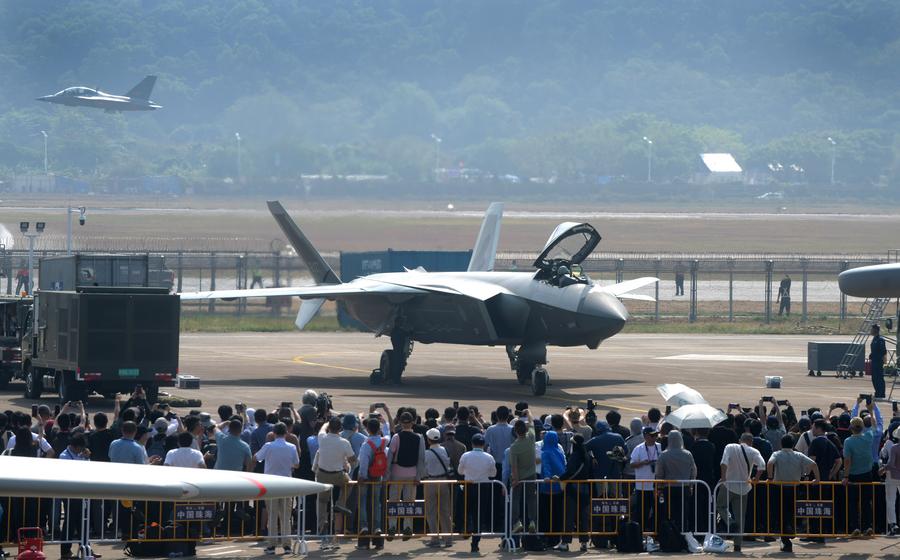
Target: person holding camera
(643,460)
(741,464)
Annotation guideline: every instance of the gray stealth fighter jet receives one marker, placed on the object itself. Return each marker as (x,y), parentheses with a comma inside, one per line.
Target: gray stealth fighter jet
(137,99)
(556,304)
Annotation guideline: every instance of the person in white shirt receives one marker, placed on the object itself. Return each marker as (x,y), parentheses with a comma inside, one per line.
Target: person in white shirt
(740,465)
(185,456)
(643,461)
(331,464)
(437,494)
(478,468)
(280,458)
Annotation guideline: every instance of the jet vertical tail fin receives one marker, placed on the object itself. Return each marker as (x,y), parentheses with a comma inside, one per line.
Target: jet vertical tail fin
(143,89)
(486,245)
(319,270)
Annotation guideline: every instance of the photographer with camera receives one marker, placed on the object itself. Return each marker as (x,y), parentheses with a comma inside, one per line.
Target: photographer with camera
(643,460)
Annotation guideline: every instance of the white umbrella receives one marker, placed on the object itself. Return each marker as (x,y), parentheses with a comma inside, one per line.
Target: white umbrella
(691,416)
(677,394)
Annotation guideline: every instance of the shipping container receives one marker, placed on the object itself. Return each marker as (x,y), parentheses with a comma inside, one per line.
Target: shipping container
(356,265)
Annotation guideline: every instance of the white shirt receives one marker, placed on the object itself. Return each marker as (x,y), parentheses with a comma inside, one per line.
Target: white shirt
(437,462)
(333,454)
(646,472)
(45,445)
(186,457)
(736,466)
(802,445)
(477,466)
(280,457)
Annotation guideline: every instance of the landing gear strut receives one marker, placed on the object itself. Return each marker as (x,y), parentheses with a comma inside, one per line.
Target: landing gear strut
(393,361)
(528,363)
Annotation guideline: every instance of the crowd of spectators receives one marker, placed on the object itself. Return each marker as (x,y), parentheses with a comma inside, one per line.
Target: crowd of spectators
(543,460)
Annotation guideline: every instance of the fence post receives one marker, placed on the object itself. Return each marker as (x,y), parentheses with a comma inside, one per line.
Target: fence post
(212,281)
(656,304)
(276,275)
(620,270)
(180,270)
(730,290)
(803,263)
(7,268)
(238,279)
(844,266)
(770,265)
(695,264)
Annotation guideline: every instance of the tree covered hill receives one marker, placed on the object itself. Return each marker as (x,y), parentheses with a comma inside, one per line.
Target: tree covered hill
(564,88)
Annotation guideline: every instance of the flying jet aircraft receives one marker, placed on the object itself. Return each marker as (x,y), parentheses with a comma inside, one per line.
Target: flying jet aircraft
(137,99)
(556,304)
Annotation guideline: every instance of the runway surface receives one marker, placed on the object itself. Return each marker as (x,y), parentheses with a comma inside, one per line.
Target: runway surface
(264,369)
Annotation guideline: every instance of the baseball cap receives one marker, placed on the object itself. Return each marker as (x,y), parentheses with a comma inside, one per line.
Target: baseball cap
(161,425)
(451,429)
(478,439)
(602,426)
(349,421)
(649,430)
(433,434)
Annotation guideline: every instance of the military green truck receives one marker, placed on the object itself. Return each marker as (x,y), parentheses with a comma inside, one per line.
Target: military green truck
(102,339)
(97,324)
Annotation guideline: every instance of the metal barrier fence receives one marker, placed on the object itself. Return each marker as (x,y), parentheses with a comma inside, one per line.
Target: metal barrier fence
(445,510)
(803,509)
(590,509)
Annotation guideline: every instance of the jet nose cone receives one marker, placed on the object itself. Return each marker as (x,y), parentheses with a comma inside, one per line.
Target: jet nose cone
(44,98)
(605,309)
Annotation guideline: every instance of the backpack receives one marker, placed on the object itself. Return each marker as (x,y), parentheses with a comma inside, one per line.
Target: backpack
(670,538)
(628,537)
(379,464)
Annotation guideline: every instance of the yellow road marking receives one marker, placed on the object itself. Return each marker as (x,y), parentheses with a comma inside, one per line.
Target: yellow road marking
(300,360)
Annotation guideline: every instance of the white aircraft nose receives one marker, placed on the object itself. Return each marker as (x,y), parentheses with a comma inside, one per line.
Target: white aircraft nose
(880,280)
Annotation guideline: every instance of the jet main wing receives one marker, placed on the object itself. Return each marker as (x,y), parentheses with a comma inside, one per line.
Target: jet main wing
(326,291)
(40,478)
(623,290)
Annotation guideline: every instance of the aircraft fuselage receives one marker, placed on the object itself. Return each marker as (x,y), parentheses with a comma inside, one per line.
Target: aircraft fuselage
(503,308)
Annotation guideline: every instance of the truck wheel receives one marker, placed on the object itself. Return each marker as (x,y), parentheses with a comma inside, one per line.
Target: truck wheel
(33,384)
(153,394)
(5,377)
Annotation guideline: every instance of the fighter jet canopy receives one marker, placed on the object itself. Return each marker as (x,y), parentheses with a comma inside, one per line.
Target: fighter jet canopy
(570,241)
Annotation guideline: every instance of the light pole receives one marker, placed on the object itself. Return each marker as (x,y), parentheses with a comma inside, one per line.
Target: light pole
(437,154)
(833,156)
(80,210)
(649,159)
(31,235)
(237,136)
(44,133)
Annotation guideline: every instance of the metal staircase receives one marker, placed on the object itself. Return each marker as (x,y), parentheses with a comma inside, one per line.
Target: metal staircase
(873,316)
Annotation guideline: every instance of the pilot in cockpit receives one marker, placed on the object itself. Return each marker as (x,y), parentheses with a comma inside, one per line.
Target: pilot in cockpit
(564,277)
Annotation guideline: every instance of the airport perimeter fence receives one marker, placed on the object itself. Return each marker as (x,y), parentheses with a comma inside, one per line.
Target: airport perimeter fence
(538,512)
(714,286)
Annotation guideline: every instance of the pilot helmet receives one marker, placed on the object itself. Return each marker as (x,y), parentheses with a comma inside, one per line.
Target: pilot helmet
(563,270)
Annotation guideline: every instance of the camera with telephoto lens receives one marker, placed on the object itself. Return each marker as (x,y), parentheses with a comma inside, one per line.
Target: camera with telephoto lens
(617,455)
(590,415)
(323,404)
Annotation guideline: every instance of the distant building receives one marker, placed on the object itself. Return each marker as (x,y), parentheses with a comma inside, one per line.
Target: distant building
(718,168)
(49,183)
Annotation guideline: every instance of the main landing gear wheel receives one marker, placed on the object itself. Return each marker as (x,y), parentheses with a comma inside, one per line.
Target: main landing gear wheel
(390,367)
(539,380)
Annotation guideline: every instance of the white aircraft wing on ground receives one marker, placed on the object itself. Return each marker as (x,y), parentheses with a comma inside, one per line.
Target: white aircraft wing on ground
(47,478)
